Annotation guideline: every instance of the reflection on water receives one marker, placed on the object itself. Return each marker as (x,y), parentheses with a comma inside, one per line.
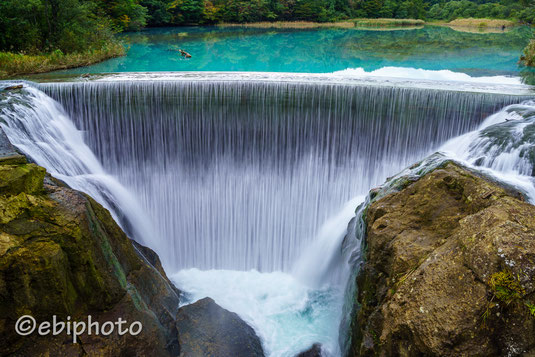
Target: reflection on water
(318,50)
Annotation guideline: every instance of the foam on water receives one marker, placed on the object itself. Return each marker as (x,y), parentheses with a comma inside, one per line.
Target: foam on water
(425,74)
(290,312)
(287,315)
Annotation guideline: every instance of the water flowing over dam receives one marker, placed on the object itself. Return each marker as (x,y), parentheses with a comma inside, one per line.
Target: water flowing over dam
(241,175)
(224,177)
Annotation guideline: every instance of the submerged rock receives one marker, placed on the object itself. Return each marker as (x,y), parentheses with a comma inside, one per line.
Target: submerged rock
(449,270)
(206,329)
(62,254)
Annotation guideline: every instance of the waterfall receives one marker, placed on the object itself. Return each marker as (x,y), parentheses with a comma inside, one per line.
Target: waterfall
(242,174)
(245,188)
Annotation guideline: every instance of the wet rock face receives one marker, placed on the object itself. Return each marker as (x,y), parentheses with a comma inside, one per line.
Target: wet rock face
(449,271)
(206,329)
(62,254)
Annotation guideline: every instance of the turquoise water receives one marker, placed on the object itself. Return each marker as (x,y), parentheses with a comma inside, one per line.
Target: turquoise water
(317,50)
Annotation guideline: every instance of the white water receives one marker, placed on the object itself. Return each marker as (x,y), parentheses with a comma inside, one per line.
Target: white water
(320,263)
(425,74)
(289,194)
(287,315)
(503,146)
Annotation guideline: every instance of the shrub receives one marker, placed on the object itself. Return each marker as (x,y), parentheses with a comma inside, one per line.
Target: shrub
(528,57)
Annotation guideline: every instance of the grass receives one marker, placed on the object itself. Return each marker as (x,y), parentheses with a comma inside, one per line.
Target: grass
(388,22)
(484,23)
(528,57)
(16,64)
(468,23)
(339,24)
(292,24)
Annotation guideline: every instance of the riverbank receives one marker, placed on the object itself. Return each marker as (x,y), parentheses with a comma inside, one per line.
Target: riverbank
(466,25)
(482,22)
(291,24)
(15,64)
(352,23)
(388,22)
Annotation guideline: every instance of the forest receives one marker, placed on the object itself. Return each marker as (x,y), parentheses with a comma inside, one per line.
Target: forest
(60,27)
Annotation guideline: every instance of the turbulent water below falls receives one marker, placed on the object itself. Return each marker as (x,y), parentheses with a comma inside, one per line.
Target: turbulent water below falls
(245,189)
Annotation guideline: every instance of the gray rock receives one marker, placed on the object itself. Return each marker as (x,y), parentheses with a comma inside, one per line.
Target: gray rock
(313,351)
(206,329)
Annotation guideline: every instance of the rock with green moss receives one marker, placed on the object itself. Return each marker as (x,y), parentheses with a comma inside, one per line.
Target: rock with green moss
(449,270)
(62,254)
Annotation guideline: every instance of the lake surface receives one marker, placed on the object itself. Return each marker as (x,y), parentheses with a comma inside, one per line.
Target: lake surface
(318,50)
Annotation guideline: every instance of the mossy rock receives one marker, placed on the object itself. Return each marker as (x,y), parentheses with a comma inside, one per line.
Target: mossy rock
(27,178)
(449,270)
(61,253)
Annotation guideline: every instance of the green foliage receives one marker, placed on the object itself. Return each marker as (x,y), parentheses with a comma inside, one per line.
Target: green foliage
(12,64)
(456,9)
(35,26)
(505,286)
(528,57)
(531,308)
(124,14)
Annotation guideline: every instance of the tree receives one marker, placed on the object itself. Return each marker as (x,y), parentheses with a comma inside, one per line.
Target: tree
(45,25)
(186,11)
(157,12)
(372,8)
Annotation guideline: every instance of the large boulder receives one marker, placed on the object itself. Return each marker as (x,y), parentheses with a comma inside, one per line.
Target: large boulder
(449,270)
(62,254)
(206,329)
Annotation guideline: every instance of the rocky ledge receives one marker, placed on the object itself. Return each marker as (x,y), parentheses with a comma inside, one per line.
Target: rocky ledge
(449,270)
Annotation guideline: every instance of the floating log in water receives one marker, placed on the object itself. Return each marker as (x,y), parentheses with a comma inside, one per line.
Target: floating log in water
(184,53)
